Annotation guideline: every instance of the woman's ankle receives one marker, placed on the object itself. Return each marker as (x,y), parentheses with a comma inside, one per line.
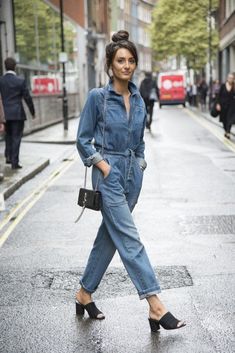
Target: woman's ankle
(83,296)
(156,307)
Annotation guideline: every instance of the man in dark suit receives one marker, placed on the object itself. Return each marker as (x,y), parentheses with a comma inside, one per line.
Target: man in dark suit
(13,89)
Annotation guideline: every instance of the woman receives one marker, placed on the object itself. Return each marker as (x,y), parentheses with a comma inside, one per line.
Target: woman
(118,173)
(226,104)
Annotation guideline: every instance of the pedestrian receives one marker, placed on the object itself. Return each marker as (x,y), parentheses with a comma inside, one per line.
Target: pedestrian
(226,104)
(194,94)
(2,119)
(190,94)
(149,93)
(13,90)
(118,174)
(215,91)
(202,91)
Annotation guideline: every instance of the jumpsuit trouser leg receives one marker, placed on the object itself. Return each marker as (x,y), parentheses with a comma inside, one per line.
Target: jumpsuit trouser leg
(118,231)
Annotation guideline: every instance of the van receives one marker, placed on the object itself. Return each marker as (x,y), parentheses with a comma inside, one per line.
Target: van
(172,88)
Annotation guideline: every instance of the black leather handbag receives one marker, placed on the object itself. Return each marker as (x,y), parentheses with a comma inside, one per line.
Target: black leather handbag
(214,112)
(89,198)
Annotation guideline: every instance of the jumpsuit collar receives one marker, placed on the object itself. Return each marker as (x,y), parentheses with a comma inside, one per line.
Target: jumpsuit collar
(131,86)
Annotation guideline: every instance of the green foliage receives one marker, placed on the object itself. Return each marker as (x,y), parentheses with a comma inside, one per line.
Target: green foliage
(180,28)
(38,33)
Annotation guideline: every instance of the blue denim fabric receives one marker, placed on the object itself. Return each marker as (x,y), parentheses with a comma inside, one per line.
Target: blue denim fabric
(124,151)
(121,132)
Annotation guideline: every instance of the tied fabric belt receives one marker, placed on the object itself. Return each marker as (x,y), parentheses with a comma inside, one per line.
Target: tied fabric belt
(126,153)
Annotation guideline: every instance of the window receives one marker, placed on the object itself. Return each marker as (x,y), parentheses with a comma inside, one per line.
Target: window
(121,4)
(37,28)
(229,7)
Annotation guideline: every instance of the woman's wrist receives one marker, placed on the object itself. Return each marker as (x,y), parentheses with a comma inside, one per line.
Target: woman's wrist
(104,167)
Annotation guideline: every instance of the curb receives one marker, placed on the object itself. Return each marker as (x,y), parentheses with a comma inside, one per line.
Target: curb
(211,120)
(15,186)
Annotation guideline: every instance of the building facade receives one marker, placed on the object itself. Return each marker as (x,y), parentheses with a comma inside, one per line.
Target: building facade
(135,17)
(227,38)
(30,32)
(98,28)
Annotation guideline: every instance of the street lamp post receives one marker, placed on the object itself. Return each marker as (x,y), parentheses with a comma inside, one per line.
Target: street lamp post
(63,59)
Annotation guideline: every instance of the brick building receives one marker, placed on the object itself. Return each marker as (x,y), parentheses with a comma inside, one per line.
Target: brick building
(227,38)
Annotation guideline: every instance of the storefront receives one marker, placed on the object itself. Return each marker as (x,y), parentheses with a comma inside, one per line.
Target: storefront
(30,32)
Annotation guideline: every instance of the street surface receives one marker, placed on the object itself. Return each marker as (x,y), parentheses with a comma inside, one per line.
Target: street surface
(186,219)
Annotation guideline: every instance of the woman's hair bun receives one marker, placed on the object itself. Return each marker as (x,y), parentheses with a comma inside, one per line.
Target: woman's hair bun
(120,35)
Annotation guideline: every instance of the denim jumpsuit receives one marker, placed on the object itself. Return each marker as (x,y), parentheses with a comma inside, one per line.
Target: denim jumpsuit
(123,149)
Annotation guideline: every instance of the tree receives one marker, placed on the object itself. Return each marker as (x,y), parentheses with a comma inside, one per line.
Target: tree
(180,28)
(38,33)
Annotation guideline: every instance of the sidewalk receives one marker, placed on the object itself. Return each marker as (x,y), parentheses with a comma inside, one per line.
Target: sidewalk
(33,164)
(207,116)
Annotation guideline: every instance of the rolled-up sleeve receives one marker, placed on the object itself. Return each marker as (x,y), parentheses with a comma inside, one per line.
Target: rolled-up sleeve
(86,129)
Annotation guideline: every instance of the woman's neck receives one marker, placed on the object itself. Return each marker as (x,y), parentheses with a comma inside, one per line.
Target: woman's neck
(121,87)
(229,86)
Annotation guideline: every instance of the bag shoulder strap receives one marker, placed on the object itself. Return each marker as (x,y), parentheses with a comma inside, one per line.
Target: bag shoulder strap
(102,151)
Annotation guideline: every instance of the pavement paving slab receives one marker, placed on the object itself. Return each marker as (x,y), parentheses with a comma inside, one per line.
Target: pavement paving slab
(32,165)
(13,179)
(55,134)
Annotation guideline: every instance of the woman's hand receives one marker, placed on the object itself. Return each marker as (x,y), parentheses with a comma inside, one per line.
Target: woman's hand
(104,167)
(218,107)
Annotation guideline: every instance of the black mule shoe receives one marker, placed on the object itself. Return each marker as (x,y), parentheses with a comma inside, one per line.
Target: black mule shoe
(91,309)
(168,322)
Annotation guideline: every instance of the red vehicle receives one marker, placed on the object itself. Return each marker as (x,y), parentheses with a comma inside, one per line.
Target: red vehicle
(172,88)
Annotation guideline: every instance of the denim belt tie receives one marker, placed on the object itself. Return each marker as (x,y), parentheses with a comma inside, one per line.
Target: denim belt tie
(127,153)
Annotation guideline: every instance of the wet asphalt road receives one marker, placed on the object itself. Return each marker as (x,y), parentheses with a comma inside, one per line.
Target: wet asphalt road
(186,219)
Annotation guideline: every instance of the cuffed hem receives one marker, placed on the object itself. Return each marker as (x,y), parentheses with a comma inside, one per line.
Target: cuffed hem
(142,163)
(149,294)
(93,159)
(86,289)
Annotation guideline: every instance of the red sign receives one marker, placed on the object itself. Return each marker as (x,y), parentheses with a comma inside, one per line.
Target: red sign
(45,85)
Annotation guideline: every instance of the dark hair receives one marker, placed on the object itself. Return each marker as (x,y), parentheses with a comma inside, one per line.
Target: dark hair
(10,64)
(120,40)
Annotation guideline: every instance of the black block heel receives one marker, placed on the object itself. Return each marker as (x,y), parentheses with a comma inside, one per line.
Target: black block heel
(168,322)
(154,325)
(91,309)
(79,308)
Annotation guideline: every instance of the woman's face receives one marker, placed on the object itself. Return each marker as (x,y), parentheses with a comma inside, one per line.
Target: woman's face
(230,79)
(123,65)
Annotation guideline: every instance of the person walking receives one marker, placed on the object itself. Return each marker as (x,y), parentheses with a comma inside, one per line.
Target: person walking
(149,93)
(202,91)
(114,118)
(13,89)
(215,91)
(226,104)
